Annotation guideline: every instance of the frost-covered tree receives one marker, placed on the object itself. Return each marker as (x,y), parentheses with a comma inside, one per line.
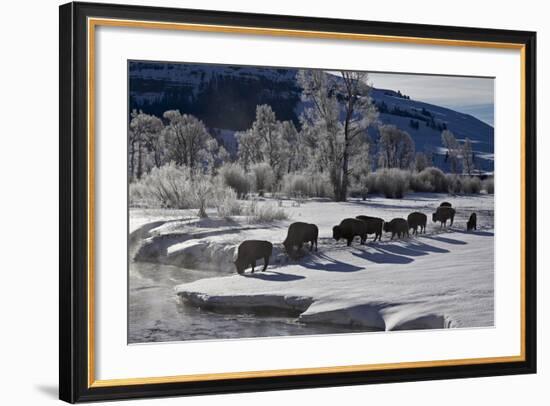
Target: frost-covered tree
(144,129)
(453,150)
(188,141)
(264,177)
(267,128)
(292,148)
(361,169)
(250,148)
(320,125)
(468,157)
(420,161)
(359,113)
(336,142)
(396,149)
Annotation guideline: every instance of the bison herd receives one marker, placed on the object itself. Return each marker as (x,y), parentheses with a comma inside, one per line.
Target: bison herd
(300,233)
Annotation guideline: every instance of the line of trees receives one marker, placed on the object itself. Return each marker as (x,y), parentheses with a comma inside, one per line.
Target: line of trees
(332,143)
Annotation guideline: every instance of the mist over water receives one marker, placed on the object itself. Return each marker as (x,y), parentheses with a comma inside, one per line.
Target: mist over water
(157,314)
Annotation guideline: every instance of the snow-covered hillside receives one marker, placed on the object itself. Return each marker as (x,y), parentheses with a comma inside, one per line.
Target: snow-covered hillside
(225,98)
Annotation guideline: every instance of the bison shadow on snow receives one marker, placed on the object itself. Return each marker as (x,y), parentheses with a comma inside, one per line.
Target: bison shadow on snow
(403,253)
(446,240)
(381,256)
(478,232)
(330,264)
(412,249)
(274,276)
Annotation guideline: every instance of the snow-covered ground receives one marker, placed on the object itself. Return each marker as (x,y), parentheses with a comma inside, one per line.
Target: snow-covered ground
(438,280)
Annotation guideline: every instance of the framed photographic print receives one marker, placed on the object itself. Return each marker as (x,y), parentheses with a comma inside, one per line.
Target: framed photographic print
(256,202)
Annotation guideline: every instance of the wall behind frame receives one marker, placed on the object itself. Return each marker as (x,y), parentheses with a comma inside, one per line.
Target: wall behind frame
(28,173)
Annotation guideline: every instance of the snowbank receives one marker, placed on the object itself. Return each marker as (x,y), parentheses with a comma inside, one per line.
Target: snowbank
(438,280)
(434,281)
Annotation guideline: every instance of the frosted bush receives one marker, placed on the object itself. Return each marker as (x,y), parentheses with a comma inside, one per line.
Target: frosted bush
(235,177)
(264,213)
(168,186)
(138,195)
(264,178)
(429,180)
(489,185)
(393,183)
(295,185)
(226,202)
(370,183)
(471,185)
(300,185)
(454,184)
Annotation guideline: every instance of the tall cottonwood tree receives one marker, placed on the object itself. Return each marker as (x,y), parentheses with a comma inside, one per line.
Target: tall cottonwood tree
(396,149)
(265,142)
(359,113)
(250,150)
(189,142)
(453,150)
(145,129)
(468,157)
(337,142)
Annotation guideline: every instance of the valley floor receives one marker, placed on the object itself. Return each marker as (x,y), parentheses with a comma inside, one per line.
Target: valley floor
(441,279)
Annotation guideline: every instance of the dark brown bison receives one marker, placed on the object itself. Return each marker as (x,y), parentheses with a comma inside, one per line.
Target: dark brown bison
(417,220)
(374,225)
(472,222)
(445,204)
(397,226)
(250,251)
(348,229)
(298,234)
(442,214)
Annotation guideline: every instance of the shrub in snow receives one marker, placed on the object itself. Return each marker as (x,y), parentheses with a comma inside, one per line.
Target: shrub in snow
(454,185)
(202,191)
(295,185)
(264,178)
(299,185)
(264,213)
(429,180)
(235,177)
(393,183)
(489,185)
(471,185)
(319,186)
(370,183)
(138,195)
(226,202)
(168,186)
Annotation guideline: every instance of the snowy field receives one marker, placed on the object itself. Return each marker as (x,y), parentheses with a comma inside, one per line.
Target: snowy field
(441,279)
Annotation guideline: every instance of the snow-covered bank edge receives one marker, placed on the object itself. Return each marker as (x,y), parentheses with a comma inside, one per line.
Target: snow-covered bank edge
(280,304)
(368,317)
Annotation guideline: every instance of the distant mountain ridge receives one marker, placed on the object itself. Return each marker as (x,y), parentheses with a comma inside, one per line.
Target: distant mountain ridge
(225,99)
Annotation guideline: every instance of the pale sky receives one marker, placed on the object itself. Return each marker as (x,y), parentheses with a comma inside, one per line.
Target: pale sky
(469,95)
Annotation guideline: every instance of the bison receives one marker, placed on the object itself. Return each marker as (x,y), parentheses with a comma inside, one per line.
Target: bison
(250,251)
(442,214)
(348,229)
(298,234)
(374,225)
(472,222)
(417,220)
(397,226)
(445,204)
